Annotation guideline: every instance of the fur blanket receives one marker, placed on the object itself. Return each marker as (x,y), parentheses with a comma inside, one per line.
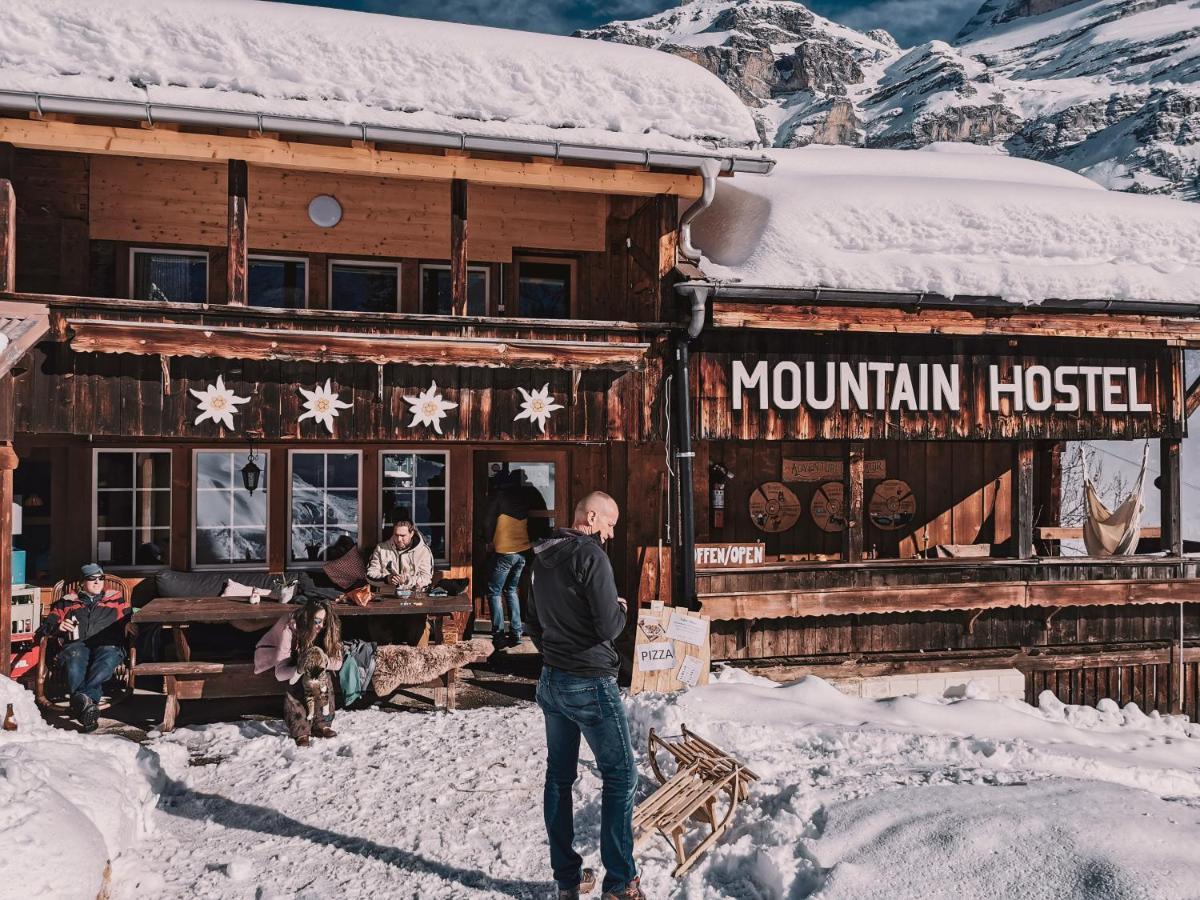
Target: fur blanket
(398,665)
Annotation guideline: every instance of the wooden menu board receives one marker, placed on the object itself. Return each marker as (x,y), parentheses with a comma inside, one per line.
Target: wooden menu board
(659,660)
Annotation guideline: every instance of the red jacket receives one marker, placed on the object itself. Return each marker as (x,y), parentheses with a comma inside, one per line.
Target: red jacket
(102,619)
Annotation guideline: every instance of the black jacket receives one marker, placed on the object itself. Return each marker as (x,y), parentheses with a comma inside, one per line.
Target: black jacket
(102,617)
(573,615)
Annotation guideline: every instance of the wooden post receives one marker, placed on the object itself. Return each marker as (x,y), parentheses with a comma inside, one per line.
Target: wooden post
(8,462)
(458,246)
(8,237)
(852,491)
(1022,481)
(1169,496)
(235,257)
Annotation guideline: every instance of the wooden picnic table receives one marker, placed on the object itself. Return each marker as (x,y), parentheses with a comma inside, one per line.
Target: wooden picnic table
(188,679)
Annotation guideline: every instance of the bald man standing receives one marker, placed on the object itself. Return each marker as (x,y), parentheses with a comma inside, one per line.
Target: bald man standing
(574,615)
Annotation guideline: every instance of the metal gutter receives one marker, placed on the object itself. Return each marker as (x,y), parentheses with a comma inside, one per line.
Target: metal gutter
(917,300)
(32,101)
(688,250)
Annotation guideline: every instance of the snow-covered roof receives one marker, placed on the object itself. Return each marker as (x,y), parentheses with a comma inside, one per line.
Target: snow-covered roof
(950,219)
(351,67)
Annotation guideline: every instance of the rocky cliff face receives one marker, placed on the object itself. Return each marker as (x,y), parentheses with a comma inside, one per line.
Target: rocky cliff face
(1109,88)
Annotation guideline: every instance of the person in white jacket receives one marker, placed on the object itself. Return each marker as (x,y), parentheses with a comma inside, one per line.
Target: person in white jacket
(403,561)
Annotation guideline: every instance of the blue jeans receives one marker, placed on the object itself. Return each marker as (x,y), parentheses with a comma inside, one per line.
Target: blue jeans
(88,668)
(504,575)
(575,705)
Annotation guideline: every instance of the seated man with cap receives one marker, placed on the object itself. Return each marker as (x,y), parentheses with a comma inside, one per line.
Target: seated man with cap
(90,625)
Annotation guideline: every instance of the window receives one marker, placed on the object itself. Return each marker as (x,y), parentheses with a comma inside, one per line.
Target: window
(279,282)
(324,502)
(435,290)
(545,288)
(414,487)
(131,523)
(230,522)
(364,287)
(179,276)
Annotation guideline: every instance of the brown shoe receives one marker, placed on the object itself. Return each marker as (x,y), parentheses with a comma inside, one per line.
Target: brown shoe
(302,741)
(323,731)
(587,884)
(631,891)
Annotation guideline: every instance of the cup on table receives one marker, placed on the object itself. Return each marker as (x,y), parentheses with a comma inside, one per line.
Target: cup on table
(255,596)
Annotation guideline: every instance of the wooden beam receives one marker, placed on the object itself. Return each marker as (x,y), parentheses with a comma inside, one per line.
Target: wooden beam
(160,143)
(894,320)
(1193,399)
(1075,532)
(1169,487)
(8,236)
(158,338)
(1022,508)
(852,490)
(236,244)
(458,247)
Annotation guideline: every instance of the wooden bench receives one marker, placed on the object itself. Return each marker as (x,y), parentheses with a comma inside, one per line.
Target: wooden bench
(206,681)
(703,773)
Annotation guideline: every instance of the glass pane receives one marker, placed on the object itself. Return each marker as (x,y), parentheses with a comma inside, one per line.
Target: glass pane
(152,509)
(436,536)
(341,470)
(308,543)
(248,545)
(435,292)
(152,547)
(364,288)
(170,276)
(212,546)
(544,291)
(114,470)
(341,508)
(398,469)
(214,469)
(539,476)
(114,546)
(308,470)
(431,470)
(249,509)
(153,470)
(212,509)
(397,505)
(431,506)
(114,509)
(308,508)
(277,283)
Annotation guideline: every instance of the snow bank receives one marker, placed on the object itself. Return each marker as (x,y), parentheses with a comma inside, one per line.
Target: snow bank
(285,59)
(70,803)
(970,221)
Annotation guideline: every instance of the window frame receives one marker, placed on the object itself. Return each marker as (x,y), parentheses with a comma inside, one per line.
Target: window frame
(445,267)
(264,484)
(331,264)
(96,451)
(569,261)
(326,451)
(414,451)
(172,251)
(274,257)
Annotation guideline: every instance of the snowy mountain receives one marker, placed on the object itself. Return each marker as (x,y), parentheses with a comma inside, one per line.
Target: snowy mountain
(1108,88)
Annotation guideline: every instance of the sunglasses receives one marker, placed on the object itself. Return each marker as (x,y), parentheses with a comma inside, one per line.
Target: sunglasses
(94,578)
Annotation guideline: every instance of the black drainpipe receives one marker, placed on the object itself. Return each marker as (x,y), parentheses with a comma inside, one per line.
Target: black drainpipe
(686,593)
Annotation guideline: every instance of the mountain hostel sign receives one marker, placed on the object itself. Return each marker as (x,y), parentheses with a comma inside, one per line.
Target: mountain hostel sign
(977,396)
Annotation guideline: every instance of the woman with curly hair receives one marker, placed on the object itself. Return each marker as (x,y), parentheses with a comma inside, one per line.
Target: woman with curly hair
(303,649)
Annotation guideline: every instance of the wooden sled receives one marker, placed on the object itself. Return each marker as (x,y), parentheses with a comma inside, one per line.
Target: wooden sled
(703,772)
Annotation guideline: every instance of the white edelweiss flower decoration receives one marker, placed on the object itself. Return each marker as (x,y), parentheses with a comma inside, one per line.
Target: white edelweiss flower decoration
(429,408)
(218,403)
(322,404)
(537,406)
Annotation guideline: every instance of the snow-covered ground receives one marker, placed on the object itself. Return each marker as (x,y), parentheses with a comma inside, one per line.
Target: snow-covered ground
(903,798)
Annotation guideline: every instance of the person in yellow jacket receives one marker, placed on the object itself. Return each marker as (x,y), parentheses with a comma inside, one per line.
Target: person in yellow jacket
(506,528)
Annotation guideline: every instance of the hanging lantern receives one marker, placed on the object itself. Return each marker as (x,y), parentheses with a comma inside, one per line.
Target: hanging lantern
(250,472)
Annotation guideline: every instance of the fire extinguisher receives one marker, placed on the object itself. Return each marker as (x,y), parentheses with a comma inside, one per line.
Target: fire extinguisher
(717,476)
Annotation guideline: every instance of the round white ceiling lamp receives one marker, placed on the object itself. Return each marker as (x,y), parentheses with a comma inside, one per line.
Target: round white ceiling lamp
(324,211)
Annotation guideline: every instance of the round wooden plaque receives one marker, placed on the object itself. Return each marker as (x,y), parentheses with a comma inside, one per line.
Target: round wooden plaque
(892,505)
(773,507)
(828,507)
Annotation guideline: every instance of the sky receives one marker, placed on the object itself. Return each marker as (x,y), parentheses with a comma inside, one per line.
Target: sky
(910,21)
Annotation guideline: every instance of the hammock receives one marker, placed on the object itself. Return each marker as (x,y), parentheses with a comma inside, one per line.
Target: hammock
(1113,533)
